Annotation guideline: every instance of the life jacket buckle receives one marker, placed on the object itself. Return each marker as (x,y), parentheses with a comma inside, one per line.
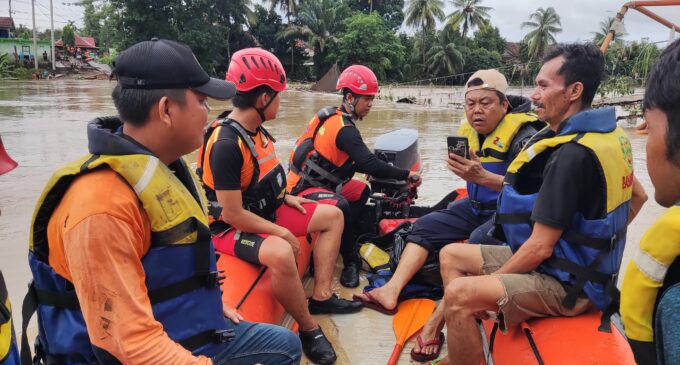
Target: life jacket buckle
(221,336)
(612,242)
(214,278)
(5,315)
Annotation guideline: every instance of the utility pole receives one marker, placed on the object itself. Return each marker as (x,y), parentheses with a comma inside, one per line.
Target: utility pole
(54,56)
(10,8)
(35,40)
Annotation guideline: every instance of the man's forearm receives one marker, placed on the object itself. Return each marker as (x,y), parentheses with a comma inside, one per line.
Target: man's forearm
(492,181)
(534,251)
(637,200)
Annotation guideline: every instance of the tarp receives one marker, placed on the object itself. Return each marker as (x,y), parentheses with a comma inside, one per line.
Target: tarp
(328,81)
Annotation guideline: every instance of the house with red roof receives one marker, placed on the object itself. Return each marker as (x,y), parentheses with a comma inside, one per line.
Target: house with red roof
(7,29)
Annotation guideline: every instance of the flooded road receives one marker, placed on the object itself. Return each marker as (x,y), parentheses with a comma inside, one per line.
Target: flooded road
(42,125)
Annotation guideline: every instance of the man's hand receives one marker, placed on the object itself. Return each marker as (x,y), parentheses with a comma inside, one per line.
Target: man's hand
(291,239)
(469,170)
(232,314)
(296,202)
(414,179)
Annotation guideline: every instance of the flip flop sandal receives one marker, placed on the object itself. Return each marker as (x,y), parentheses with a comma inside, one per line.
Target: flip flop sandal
(433,342)
(371,303)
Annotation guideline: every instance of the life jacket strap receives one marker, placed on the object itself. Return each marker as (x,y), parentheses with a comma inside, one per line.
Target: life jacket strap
(211,336)
(512,218)
(482,206)
(489,152)
(29,306)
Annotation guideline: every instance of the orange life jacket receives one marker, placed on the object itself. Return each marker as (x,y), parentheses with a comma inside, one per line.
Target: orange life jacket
(263,181)
(315,159)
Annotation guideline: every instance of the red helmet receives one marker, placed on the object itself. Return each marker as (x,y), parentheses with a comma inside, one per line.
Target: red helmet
(253,67)
(360,79)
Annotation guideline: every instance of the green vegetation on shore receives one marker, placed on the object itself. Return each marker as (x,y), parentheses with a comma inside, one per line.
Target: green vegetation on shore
(309,36)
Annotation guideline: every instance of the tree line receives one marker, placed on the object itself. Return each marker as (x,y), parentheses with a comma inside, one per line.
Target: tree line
(309,36)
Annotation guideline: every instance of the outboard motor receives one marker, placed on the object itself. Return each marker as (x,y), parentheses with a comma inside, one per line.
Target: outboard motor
(393,198)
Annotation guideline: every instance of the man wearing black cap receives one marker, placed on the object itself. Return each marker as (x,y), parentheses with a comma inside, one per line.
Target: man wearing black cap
(123,266)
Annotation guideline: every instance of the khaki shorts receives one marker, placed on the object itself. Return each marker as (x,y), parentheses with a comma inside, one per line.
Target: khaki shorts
(527,295)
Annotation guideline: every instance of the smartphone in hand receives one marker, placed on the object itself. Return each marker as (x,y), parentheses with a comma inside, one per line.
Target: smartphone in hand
(459,146)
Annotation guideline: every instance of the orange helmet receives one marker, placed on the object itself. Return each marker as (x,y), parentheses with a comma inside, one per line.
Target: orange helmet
(358,78)
(253,67)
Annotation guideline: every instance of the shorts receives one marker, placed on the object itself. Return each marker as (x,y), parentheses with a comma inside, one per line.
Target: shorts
(527,295)
(246,246)
(456,223)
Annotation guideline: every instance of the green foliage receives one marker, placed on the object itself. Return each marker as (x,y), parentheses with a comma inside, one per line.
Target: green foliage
(101,21)
(616,86)
(634,60)
(391,11)
(445,56)
(319,22)
(605,25)
(23,73)
(489,38)
(469,14)
(545,23)
(68,34)
(23,31)
(6,66)
(423,14)
(369,41)
(211,28)
(481,59)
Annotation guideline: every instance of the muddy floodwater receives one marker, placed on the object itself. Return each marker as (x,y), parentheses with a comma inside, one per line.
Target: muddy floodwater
(42,125)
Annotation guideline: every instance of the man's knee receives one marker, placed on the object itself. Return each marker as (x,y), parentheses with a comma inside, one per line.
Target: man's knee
(331,215)
(459,295)
(449,257)
(277,253)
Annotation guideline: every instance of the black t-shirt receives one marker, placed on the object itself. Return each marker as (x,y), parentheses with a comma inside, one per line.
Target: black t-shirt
(226,160)
(568,180)
(349,141)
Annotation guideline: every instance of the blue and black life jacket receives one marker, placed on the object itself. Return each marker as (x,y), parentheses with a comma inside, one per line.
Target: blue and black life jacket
(588,255)
(180,265)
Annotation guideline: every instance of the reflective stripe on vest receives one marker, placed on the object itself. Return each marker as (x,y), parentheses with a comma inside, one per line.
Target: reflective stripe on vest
(315,159)
(588,255)
(179,265)
(646,275)
(493,154)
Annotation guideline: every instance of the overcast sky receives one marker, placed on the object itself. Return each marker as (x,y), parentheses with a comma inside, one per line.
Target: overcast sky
(579,17)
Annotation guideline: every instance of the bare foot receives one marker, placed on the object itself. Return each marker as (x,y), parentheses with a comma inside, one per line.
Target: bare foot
(442,361)
(385,295)
(429,332)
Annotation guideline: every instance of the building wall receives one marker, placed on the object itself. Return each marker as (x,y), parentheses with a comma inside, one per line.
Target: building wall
(7,46)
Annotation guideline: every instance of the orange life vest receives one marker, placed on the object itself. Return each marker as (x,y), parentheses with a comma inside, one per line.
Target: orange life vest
(315,159)
(263,181)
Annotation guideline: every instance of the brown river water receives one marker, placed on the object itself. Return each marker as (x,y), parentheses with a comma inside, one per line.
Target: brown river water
(42,125)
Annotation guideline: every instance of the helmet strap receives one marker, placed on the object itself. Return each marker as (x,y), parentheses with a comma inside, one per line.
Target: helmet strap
(260,111)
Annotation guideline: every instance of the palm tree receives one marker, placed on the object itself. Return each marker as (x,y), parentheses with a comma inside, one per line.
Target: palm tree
(605,26)
(289,6)
(444,57)
(469,14)
(545,23)
(423,14)
(318,21)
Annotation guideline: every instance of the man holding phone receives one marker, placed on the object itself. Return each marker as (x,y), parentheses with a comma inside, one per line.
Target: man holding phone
(496,128)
